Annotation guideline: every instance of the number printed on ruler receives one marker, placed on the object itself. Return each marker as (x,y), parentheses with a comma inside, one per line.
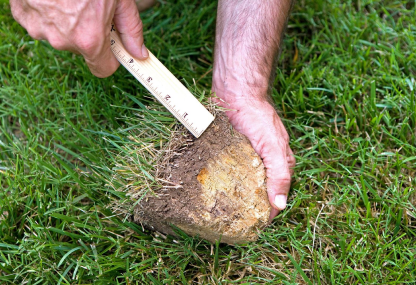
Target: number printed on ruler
(165,87)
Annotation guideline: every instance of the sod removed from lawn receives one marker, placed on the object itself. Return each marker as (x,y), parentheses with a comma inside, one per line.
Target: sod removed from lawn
(72,148)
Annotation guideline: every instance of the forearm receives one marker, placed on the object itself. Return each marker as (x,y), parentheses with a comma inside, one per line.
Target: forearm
(248,37)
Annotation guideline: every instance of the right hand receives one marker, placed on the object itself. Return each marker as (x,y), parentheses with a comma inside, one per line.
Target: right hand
(258,120)
(83,26)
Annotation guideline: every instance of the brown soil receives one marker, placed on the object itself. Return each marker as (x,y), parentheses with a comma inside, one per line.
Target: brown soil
(214,187)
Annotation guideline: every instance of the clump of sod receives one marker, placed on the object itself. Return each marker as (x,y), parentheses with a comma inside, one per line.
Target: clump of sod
(213,187)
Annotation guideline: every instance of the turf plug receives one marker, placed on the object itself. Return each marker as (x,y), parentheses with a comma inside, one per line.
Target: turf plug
(213,187)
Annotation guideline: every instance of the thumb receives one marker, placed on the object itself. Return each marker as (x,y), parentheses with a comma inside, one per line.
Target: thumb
(130,27)
(277,190)
(278,178)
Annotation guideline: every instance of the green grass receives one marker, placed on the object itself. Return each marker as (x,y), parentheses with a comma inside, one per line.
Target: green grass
(345,88)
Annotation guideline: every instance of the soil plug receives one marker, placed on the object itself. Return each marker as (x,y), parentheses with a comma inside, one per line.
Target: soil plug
(214,187)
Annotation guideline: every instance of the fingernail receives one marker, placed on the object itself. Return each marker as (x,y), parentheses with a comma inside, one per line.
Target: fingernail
(280,201)
(145,52)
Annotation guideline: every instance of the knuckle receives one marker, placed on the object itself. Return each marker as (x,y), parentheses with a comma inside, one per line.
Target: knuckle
(137,29)
(57,43)
(280,179)
(285,178)
(34,33)
(88,46)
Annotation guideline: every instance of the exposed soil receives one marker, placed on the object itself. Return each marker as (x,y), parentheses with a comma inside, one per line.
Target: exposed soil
(211,184)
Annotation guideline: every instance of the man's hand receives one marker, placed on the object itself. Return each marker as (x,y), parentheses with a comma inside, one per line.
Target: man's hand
(83,26)
(246,45)
(259,122)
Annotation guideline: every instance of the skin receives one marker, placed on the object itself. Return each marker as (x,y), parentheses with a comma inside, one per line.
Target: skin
(247,41)
(248,36)
(82,26)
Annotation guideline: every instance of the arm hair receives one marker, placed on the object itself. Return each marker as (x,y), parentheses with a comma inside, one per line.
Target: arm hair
(248,38)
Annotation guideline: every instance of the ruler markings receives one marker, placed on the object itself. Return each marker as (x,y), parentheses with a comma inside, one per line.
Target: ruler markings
(190,110)
(175,111)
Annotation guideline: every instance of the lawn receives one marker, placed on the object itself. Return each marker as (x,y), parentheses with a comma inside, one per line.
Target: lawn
(73,146)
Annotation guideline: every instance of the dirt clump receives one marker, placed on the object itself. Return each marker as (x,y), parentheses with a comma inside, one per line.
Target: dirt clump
(214,187)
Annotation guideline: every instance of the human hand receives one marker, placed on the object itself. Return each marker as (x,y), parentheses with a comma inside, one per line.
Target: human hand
(83,26)
(259,122)
(247,41)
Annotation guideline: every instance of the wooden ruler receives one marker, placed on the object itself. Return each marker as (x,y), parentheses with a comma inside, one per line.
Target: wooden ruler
(165,87)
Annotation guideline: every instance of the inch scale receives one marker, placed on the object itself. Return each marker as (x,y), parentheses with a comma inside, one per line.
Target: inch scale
(167,89)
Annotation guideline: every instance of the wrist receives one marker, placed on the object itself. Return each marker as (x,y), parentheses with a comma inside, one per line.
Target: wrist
(239,105)
(236,94)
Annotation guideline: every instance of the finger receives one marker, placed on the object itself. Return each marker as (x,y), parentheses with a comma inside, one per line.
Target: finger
(291,161)
(278,174)
(95,46)
(273,213)
(104,65)
(130,27)
(29,21)
(277,191)
(278,185)
(98,55)
(35,32)
(17,11)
